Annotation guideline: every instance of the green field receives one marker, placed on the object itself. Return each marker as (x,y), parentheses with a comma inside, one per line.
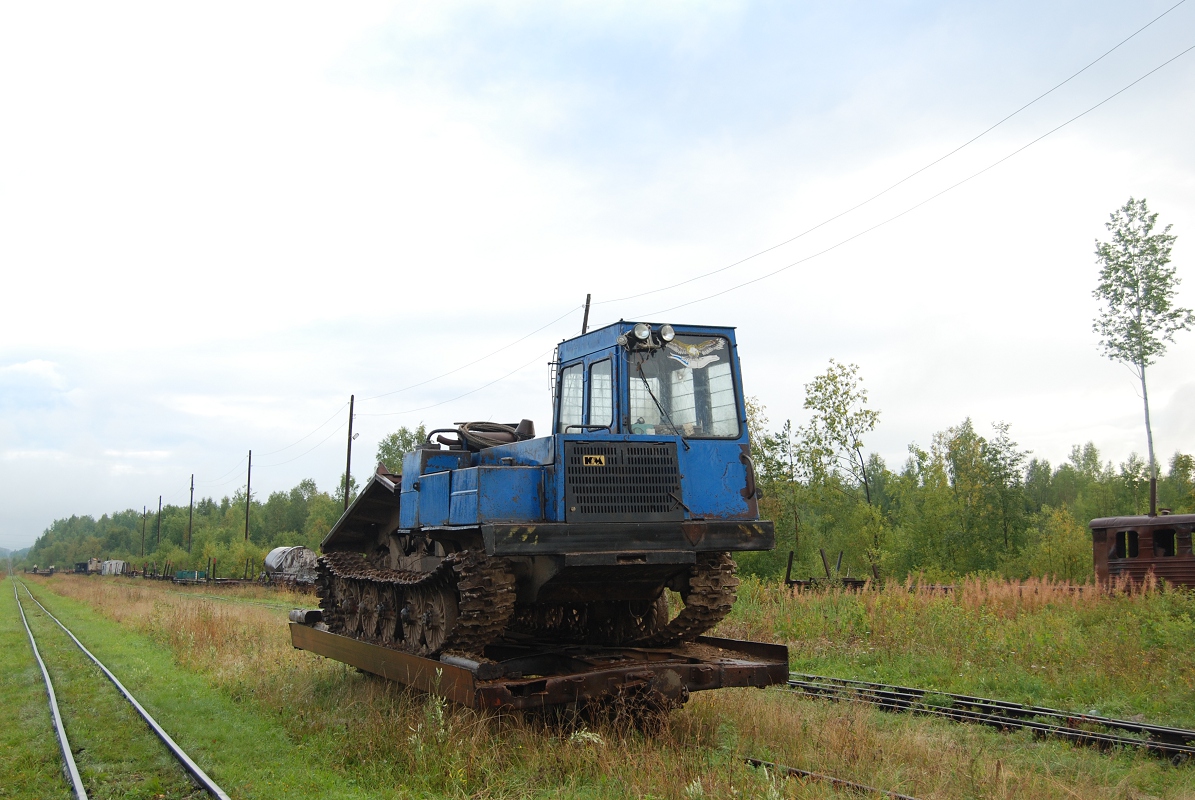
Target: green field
(266,720)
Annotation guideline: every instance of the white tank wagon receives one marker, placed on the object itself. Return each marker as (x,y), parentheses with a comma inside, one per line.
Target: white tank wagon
(291,566)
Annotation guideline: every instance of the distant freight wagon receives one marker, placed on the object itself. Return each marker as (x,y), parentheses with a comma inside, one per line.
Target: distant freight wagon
(1133,547)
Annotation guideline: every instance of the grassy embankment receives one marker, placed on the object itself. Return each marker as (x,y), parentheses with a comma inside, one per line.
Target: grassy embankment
(1041,643)
(388,742)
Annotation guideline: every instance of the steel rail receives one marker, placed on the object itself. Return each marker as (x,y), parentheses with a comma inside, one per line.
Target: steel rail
(68,758)
(1172,742)
(840,783)
(179,754)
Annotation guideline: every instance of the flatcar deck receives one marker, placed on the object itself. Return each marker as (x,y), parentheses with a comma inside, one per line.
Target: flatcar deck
(527,676)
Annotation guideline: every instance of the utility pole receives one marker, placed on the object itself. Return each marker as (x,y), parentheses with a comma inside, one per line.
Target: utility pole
(191,512)
(248,484)
(348,459)
(159,544)
(144,513)
(585,320)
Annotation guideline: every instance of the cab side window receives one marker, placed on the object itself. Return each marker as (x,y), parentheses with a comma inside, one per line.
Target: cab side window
(572,394)
(601,394)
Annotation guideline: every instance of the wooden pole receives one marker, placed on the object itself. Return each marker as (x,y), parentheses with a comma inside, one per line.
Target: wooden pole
(191,512)
(348,460)
(248,486)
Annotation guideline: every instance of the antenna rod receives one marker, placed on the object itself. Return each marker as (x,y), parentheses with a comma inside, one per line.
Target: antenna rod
(191,512)
(585,320)
(348,459)
(248,484)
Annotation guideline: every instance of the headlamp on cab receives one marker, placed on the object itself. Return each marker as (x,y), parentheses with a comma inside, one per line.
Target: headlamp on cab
(642,331)
(667,333)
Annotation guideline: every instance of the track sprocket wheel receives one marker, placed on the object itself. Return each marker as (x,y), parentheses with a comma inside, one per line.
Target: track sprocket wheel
(428,616)
(349,593)
(389,629)
(370,603)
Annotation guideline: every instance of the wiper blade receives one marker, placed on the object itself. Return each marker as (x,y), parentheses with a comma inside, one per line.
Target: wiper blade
(675,430)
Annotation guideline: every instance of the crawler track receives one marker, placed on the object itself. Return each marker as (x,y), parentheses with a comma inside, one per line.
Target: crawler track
(368,602)
(179,754)
(1103,732)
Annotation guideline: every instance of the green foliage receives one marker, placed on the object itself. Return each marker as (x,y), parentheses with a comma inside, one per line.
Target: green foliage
(1059,547)
(831,444)
(404,440)
(1137,288)
(969,504)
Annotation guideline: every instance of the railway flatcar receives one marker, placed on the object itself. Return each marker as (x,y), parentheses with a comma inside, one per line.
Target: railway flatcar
(1134,547)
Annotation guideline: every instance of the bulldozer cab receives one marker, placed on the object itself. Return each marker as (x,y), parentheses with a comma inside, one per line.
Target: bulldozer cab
(644,379)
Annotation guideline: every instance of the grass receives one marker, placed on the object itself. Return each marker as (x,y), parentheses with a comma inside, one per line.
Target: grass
(1122,655)
(376,739)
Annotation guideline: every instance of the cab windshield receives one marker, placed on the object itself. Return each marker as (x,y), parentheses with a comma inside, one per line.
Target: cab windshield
(685,387)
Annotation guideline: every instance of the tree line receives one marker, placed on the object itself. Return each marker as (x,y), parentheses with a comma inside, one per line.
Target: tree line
(969,502)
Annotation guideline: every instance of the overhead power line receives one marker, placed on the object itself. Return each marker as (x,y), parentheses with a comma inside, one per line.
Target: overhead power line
(225,475)
(929,199)
(476,361)
(335,414)
(459,396)
(903,180)
(335,431)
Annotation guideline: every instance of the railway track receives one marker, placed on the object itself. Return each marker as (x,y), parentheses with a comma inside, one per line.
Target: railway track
(1104,732)
(185,761)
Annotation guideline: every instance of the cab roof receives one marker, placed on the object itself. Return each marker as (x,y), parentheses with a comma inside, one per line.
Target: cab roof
(606,337)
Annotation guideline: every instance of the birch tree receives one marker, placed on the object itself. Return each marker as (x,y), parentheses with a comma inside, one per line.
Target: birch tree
(1137,287)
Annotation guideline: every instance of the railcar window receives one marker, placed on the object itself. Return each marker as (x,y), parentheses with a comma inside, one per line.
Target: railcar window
(1164,544)
(601,394)
(571,395)
(1133,548)
(1126,545)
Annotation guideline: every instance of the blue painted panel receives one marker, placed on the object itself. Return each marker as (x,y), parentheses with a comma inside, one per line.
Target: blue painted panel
(410,473)
(434,498)
(530,453)
(553,511)
(463,507)
(509,494)
(408,509)
(441,461)
(713,478)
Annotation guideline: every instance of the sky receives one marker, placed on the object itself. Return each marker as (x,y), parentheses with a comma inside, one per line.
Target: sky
(219,221)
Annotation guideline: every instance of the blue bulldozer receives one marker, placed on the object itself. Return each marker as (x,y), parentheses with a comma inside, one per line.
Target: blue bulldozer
(489,533)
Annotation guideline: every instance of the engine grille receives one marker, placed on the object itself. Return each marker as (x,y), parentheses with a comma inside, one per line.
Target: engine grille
(621,482)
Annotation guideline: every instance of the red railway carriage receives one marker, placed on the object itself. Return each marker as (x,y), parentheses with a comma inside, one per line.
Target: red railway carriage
(1135,546)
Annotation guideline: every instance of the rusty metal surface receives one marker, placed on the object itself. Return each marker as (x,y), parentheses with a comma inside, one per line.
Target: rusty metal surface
(453,682)
(534,677)
(1137,546)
